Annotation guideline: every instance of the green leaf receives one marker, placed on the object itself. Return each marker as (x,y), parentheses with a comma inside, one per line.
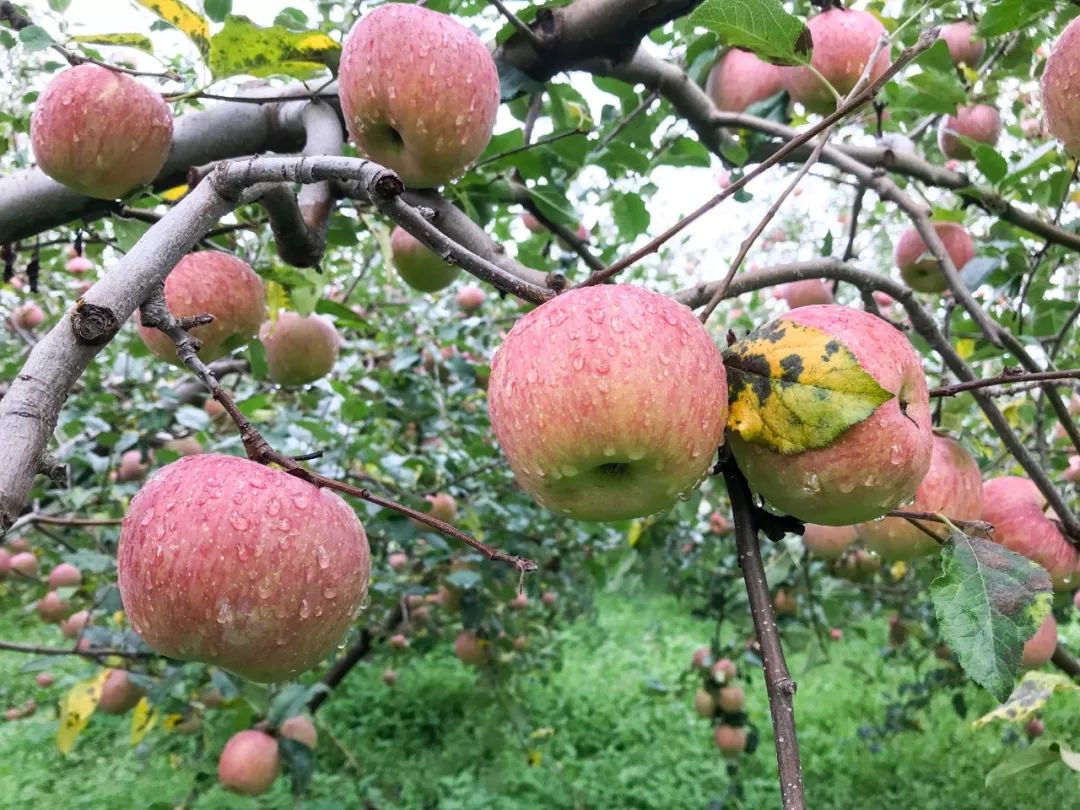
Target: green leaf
(291,701)
(140,41)
(1010,15)
(989,601)
(1034,757)
(242,47)
(59,6)
(794,388)
(182,17)
(35,38)
(631,216)
(217,10)
(464,578)
(761,26)
(299,761)
(990,162)
(256,355)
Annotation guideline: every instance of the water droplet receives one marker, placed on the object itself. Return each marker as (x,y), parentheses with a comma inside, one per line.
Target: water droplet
(242,551)
(301,501)
(239,522)
(329,593)
(224,612)
(847,487)
(305,609)
(323,557)
(811,484)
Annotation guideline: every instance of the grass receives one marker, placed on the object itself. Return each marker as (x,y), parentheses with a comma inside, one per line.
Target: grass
(612,729)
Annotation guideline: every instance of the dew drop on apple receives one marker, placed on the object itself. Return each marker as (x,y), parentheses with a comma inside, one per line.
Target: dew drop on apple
(322,557)
(811,484)
(239,522)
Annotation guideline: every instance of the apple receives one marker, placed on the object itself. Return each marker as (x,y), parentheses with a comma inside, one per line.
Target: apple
(231,563)
(12,714)
(418,266)
(300,728)
(530,221)
(419,92)
(548,598)
(1061,88)
(979,122)
(952,487)
(1040,647)
(249,763)
(857,565)
(78,264)
(5,563)
(398,641)
(52,608)
(186,446)
(919,269)
(519,602)
(730,740)
(299,350)
(873,466)
(398,560)
(215,283)
(18,544)
(214,409)
(28,316)
(805,293)
(119,694)
(131,467)
(442,506)
(75,623)
(609,402)
(836,634)
(25,562)
(1076,600)
(703,657)
(723,670)
(704,703)
(740,79)
(784,603)
(843,43)
(389,677)
(65,575)
(828,542)
(470,649)
(964,46)
(470,298)
(898,631)
(44,680)
(1016,509)
(100,132)
(732,699)
(1035,728)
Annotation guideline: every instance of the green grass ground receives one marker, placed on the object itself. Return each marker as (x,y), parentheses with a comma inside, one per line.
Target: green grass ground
(613,729)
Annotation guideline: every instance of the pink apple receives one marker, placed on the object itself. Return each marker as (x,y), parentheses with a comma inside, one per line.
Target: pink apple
(730,740)
(843,43)
(418,266)
(398,641)
(28,315)
(1072,472)
(626,398)
(470,298)
(299,350)
(469,649)
(519,602)
(704,703)
(723,670)
(65,575)
(25,562)
(44,680)
(131,467)
(805,293)
(1035,728)
(741,79)
(731,699)
(74,624)
(1040,647)
(1017,510)
(119,694)
(918,267)
(214,283)
(981,123)
(836,634)
(1061,88)
(249,763)
(718,524)
(952,487)
(873,466)
(702,658)
(99,132)
(530,221)
(389,677)
(228,562)
(78,264)
(549,598)
(828,542)
(964,45)
(300,728)
(186,446)
(419,92)
(18,544)
(5,563)
(398,561)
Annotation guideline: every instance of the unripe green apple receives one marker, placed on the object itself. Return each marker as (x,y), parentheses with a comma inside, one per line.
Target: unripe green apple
(1040,647)
(919,268)
(418,266)
(100,132)
(229,562)
(964,46)
(300,728)
(419,92)
(980,122)
(740,79)
(873,466)
(609,402)
(249,763)
(1061,88)
(952,487)
(828,542)
(215,283)
(299,350)
(118,694)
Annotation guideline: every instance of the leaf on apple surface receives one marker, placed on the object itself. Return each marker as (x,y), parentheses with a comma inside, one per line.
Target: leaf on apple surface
(1029,697)
(761,26)
(139,41)
(183,17)
(242,47)
(989,601)
(75,710)
(794,388)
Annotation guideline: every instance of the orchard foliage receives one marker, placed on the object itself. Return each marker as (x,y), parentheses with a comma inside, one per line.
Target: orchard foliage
(936,235)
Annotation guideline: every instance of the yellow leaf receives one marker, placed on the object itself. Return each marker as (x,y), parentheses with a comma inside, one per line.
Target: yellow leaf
(633,534)
(277,299)
(140,41)
(795,388)
(175,193)
(535,758)
(965,347)
(242,47)
(182,16)
(118,618)
(898,569)
(171,721)
(1027,698)
(75,710)
(143,719)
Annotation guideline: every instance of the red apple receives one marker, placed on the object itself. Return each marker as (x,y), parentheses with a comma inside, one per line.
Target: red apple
(730,740)
(419,92)
(828,542)
(418,266)
(44,680)
(1040,647)
(836,634)
(442,506)
(952,487)
(249,763)
(99,132)
(784,603)
(186,446)
(964,45)
(300,728)
(228,562)
(1061,88)
(718,524)
(398,641)
(732,699)
(389,677)
(398,560)
(919,269)
(805,293)
(470,649)
(874,465)
(548,598)
(529,220)
(28,316)
(215,283)
(470,298)
(627,402)
(131,467)
(980,122)
(299,350)
(74,624)
(704,703)
(65,575)
(1035,728)
(78,264)
(1017,510)
(519,602)
(702,658)
(723,670)
(118,694)
(17,544)
(843,43)
(741,79)
(5,563)
(25,562)
(214,409)
(52,609)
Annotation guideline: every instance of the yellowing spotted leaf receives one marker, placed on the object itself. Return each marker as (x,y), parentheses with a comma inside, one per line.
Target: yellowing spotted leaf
(183,17)
(1029,696)
(633,534)
(242,47)
(794,388)
(140,41)
(75,710)
(143,718)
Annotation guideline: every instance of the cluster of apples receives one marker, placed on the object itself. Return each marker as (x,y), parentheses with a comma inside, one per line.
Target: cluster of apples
(721,700)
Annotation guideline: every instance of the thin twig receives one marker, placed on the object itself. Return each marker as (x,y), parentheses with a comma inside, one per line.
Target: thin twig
(980,527)
(556,136)
(90,652)
(1007,378)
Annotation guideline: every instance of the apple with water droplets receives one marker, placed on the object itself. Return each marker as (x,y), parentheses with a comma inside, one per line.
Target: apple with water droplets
(1061,88)
(979,122)
(965,47)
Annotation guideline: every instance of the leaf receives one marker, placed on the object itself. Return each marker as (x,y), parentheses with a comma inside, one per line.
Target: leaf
(1010,15)
(993,166)
(75,710)
(243,47)
(1039,755)
(217,10)
(989,601)
(1027,698)
(35,38)
(140,41)
(182,17)
(291,701)
(143,718)
(761,26)
(299,761)
(795,388)
(631,216)
(463,579)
